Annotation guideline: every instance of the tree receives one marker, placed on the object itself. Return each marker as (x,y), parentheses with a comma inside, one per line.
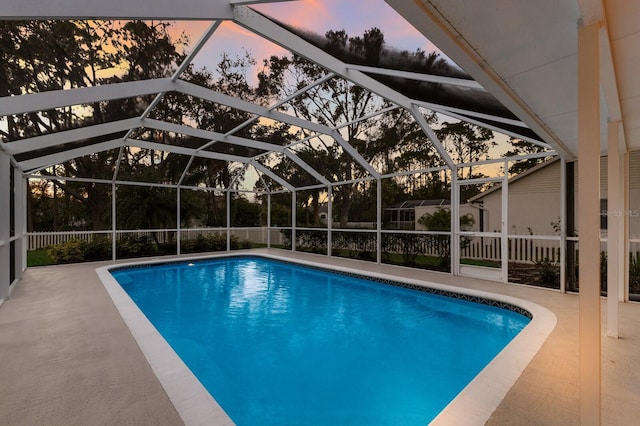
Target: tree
(466,143)
(54,55)
(521,147)
(390,141)
(335,102)
(440,220)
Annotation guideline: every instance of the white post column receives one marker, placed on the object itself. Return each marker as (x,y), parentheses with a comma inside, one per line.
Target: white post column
(5,246)
(589,221)
(624,294)
(504,228)
(455,223)
(20,215)
(563,225)
(25,237)
(615,226)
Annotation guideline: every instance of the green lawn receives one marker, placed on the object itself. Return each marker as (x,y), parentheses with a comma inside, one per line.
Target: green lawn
(41,258)
(476,262)
(38,258)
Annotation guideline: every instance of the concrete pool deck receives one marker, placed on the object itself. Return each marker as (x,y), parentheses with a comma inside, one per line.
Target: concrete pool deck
(67,357)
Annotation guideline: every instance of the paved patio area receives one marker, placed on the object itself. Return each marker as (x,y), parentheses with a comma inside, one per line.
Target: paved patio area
(67,357)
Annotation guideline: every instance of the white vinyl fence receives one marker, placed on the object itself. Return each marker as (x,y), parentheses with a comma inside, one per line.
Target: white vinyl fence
(39,240)
(528,249)
(523,249)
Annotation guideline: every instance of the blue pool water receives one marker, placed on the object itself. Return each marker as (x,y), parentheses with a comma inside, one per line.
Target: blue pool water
(276,343)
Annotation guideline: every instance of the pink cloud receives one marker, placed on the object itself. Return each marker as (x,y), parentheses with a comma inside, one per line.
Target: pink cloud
(306,14)
(355,16)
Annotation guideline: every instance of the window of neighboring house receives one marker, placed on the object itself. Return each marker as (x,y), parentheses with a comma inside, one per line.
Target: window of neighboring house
(603,213)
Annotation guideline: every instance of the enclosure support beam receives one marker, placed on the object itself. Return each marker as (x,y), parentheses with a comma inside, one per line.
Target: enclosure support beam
(228,219)
(615,226)
(5,246)
(504,226)
(20,215)
(455,223)
(178,220)
(589,221)
(294,219)
(269,220)
(96,9)
(379,220)
(329,220)
(113,221)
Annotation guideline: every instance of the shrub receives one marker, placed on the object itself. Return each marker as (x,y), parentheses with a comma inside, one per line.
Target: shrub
(71,251)
(218,242)
(440,220)
(286,238)
(131,246)
(98,249)
(634,279)
(212,242)
(548,272)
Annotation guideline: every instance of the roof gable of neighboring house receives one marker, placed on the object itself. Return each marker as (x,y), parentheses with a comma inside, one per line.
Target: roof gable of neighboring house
(412,204)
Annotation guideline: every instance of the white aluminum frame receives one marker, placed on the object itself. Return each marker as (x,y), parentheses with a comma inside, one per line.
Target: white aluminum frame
(219,11)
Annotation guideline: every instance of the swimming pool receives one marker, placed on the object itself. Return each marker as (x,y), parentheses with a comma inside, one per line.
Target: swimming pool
(390,318)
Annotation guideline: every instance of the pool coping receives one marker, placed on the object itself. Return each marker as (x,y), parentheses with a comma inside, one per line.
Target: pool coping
(195,406)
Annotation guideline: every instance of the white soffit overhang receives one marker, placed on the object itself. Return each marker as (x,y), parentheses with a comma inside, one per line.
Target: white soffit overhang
(623,36)
(525,54)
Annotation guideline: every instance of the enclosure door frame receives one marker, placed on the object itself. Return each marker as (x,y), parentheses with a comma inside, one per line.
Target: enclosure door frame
(494,274)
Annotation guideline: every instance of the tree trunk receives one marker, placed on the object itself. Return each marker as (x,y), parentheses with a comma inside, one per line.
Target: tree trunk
(316,208)
(346,207)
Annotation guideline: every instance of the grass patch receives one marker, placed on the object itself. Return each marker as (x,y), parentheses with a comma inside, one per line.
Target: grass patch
(477,262)
(39,258)
(421,260)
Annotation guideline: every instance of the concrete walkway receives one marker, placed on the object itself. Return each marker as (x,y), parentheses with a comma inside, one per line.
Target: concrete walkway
(67,358)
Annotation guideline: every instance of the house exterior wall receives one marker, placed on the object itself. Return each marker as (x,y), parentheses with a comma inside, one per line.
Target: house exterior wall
(634,195)
(534,200)
(534,203)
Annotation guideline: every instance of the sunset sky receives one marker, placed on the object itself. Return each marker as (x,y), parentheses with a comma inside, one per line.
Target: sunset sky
(354,16)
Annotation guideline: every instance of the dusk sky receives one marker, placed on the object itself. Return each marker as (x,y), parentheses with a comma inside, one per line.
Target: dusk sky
(354,16)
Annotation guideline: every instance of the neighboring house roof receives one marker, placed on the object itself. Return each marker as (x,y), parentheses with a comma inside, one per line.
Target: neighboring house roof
(322,208)
(412,204)
(534,169)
